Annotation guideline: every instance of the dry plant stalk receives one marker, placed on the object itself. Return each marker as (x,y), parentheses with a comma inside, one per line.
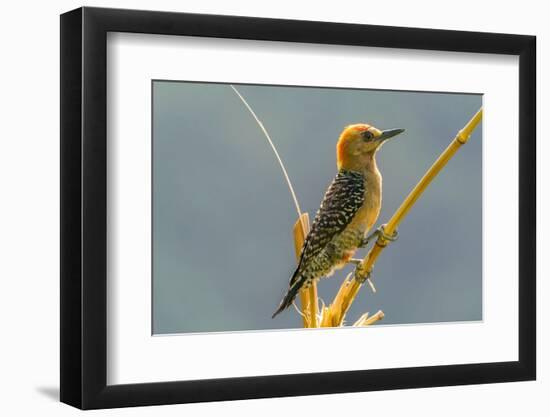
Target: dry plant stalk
(301,228)
(336,312)
(365,320)
(308,296)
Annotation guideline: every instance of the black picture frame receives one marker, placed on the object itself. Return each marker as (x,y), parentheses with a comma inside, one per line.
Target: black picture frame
(84,207)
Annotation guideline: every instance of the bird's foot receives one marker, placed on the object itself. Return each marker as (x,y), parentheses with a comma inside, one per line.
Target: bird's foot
(380,232)
(364,276)
(360,275)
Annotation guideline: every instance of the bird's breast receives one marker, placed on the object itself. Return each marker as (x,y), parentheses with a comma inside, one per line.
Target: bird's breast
(368,213)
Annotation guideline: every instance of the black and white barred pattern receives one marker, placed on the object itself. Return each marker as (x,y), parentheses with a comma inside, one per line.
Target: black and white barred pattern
(344,197)
(329,239)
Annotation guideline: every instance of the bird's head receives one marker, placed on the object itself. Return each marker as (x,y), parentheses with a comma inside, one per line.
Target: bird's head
(358,143)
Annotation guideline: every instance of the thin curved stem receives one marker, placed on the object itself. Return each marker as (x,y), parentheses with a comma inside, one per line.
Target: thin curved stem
(308,296)
(287,178)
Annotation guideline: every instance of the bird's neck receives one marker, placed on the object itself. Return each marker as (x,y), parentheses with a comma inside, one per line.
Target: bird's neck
(365,164)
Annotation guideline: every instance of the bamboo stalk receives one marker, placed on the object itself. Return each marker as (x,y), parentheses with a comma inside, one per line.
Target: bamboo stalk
(350,288)
(361,320)
(373,319)
(332,312)
(308,296)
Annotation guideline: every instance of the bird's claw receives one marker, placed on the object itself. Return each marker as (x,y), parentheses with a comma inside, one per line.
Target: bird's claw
(390,238)
(361,276)
(361,279)
(380,232)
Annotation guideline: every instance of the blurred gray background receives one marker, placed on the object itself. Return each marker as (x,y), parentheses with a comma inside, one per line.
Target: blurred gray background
(222,213)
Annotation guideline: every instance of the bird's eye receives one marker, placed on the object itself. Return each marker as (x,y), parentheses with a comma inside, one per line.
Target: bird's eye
(367,135)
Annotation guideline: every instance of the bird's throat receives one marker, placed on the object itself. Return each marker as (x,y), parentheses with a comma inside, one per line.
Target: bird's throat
(364,163)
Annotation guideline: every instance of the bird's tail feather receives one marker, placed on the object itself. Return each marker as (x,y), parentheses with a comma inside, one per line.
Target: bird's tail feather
(295,284)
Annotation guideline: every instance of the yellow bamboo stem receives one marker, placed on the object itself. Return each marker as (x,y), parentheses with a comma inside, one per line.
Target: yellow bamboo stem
(374,318)
(333,313)
(361,320)
(349,289)
(365,320)
(308,296)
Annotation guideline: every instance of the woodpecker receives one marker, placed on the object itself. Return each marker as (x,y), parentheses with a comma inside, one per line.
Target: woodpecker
(349,209)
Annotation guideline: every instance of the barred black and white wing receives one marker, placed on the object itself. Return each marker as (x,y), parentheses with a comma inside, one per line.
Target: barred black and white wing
(343,199)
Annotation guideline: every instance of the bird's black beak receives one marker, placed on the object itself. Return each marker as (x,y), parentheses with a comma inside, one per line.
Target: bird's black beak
(390,133)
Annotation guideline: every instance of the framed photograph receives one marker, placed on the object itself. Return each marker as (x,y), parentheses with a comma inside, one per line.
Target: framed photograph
(257,208)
